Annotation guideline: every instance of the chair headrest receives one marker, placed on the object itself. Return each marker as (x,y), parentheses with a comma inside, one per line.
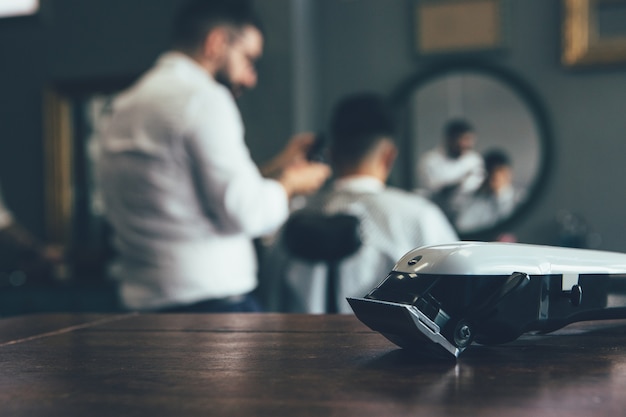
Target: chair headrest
(318,237)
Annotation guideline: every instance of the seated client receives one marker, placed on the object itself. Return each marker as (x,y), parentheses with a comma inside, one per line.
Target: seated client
(391,221)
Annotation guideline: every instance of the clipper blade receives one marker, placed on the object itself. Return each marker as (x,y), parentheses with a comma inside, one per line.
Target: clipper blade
(405,326)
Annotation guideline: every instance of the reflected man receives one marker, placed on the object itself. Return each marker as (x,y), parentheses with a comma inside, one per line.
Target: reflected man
(453,170)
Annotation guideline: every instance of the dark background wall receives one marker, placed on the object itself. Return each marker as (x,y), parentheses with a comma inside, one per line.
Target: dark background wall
(361,44)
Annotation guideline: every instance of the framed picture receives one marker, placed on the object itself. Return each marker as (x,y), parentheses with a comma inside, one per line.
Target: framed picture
(453,26)
(594,32)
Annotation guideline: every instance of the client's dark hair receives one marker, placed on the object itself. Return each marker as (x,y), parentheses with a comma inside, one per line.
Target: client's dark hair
(198,17)
(495,158)
(358,123)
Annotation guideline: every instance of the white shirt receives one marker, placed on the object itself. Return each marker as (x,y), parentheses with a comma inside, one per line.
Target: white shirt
(181,191)
(392,222)
(437,170)
(448,181)
(483,210)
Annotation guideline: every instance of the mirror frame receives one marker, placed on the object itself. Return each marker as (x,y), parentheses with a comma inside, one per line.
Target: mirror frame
(404,176)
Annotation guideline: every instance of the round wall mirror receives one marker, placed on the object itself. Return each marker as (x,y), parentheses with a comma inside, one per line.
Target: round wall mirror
(474,139)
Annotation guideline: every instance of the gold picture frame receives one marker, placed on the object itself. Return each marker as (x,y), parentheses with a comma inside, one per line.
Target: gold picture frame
(584,44)
(460,26)
(58,166)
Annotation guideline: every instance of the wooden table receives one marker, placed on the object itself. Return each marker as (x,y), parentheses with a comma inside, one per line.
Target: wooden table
(294,365)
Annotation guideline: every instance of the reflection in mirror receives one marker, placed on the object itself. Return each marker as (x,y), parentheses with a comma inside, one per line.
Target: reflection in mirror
(501,130)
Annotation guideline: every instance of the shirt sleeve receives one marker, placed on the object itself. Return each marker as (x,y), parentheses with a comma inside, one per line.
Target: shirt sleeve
(437,229)
(240,199)
(437,173)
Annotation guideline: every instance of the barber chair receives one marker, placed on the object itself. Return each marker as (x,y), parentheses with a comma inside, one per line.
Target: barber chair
(317,237)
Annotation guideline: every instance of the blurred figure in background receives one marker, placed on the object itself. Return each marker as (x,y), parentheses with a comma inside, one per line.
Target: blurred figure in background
(180,189)
(496,198)
(391,221)
(453,170)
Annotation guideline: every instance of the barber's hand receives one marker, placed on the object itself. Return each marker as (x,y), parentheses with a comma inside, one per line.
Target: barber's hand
(297,148)
(304,178)
(294,153)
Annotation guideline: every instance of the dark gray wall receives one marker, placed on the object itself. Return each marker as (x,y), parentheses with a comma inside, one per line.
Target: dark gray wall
(22,62)
(362,44)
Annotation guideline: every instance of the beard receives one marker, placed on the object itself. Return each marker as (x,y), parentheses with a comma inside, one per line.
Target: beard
(222,77)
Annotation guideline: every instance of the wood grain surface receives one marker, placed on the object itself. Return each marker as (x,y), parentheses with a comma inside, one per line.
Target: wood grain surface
(294,365)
